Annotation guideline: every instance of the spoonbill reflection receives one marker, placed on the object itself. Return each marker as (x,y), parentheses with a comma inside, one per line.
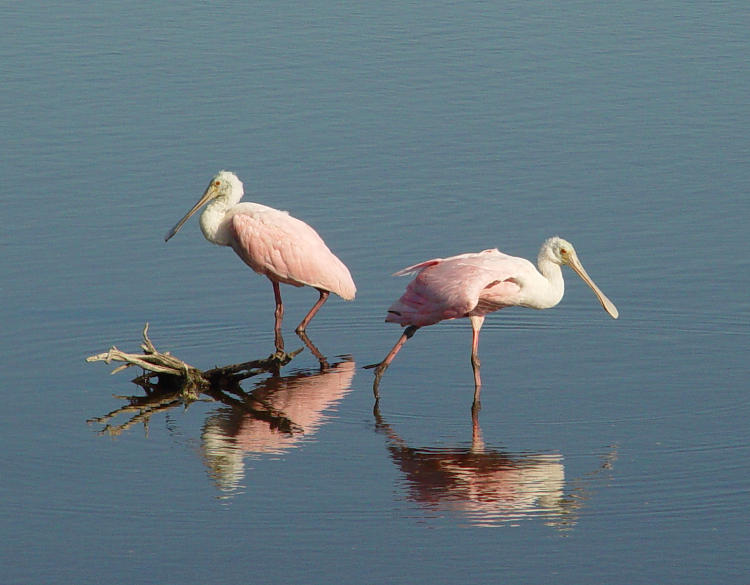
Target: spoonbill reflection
(272,243)
(488,486)
(475,284)
(276,416)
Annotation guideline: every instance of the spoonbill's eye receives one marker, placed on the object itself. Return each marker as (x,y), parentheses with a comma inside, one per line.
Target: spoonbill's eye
(563,251)
(217,183)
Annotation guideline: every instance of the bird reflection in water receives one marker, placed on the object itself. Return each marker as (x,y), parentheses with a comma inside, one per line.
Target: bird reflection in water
(276,416)
(487,486)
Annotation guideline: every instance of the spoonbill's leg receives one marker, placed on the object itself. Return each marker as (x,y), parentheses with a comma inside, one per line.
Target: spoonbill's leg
(383,366)
(279,315)
(476,325)
(477,443)
(316,307)
(314,350)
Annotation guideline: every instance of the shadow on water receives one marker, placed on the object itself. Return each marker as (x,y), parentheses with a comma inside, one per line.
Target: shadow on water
(488,486)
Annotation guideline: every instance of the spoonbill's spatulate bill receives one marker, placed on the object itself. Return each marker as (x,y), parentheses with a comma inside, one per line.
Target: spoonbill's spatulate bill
(271,242)
(475,284)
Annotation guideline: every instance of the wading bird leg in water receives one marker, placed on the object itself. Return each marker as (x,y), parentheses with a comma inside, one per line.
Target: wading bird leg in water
(280,355)
(314,350)
(477,443)
(476,325)
(316,307)
(381,367)
(278,316)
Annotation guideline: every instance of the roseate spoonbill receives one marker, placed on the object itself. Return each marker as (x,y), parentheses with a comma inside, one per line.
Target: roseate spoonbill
(475,284)
(273,243)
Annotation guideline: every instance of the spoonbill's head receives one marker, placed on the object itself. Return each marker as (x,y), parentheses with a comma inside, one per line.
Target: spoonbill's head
(561,252)
(225,185)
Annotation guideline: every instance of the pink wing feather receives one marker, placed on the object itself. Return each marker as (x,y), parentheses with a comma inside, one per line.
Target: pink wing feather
(459,286)
(288,250)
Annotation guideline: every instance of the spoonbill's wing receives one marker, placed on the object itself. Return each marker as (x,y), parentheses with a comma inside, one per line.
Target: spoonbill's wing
(449,288)
(288,250)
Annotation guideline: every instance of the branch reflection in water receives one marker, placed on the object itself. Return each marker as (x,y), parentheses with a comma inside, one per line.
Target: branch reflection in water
(272,418)
(488,486)
(291,408)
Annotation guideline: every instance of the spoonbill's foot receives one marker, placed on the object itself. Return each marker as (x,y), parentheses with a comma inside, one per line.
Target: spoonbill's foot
(282,358)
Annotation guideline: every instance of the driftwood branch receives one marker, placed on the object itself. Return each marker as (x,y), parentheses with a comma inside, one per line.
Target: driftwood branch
(172,371)
(169,382)
(150,359)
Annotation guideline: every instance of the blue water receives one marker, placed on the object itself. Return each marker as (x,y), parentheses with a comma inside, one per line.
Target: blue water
(605,451)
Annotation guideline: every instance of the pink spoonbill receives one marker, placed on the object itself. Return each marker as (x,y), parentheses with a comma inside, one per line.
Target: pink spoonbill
(476,284)
(272,243)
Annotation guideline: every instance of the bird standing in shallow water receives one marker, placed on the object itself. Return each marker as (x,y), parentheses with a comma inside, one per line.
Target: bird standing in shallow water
(475,284)
(273,243)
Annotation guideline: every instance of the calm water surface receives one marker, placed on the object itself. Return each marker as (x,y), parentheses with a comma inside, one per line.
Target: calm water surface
(606,451)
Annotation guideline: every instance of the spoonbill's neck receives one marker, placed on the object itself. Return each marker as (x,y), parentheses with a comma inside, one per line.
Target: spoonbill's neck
(553,286)
(215,221)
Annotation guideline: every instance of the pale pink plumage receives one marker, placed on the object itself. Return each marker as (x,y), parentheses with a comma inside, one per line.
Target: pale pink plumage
(459,286)
(287,250)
